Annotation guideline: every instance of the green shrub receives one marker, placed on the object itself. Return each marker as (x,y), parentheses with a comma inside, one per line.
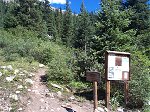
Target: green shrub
(78,86)
(60,67)
(12,57)
(22,42)
(42,52)
(140,80)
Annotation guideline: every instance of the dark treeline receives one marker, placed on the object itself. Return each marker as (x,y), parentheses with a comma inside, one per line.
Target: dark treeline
(118,25)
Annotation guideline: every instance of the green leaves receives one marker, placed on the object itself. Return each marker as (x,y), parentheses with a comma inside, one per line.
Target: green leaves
(140,81)
(60,67)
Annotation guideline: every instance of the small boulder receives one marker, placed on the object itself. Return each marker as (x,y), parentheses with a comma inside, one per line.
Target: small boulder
(119,109)
(20,87)
(1,74)
(20,109)
(29,89)
(3,67)
(16,71)
(14,96)
(10,78)
(71,98)
(21,74)
(41,65)
(17,92)
(96,110)
(29,81)
(100,109)
(9,67)
(59,94)
(41,100)
(56,86)
(31,74)
(106,110)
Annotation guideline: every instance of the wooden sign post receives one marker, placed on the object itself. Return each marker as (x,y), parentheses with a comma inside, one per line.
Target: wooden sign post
(95,98)
(94,77)
(117,67)
(126,90)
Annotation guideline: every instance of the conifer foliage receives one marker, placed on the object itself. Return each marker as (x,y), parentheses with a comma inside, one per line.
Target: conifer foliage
(67,33)
(112,28)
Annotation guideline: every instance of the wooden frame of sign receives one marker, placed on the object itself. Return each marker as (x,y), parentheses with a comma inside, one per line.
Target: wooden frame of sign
(117,67)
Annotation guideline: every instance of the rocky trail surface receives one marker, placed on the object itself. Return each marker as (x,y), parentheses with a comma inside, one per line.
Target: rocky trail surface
(42,100)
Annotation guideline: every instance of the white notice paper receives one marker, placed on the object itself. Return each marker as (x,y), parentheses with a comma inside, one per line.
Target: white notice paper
(125,64)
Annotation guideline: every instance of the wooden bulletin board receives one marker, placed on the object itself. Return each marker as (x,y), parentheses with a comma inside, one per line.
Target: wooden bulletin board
(117,65)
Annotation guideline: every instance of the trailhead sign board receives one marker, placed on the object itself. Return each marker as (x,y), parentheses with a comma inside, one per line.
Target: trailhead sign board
(93,76)
(117,65)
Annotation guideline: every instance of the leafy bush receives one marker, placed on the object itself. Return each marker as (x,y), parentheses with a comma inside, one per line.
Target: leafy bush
(12,57)
(60,67)
(42,52)
(22,42)
(78,86)
(140,80)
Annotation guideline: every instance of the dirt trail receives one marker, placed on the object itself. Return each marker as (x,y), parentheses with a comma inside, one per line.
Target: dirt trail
(42,100)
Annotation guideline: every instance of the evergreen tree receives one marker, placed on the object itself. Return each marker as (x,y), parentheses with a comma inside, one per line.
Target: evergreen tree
(141,23)
(46,10)
(140,19)
(30,16)
(2,13)
(10,18)
(49,18)
(59,23)
(75,28)
(82,41)
(84,31)
(51,25)
(67,34)
(111,28)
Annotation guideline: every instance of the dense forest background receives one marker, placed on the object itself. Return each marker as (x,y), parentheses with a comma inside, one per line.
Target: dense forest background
(69,44)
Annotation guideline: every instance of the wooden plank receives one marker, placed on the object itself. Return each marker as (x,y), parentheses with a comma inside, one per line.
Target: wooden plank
(93,76)
(116,52)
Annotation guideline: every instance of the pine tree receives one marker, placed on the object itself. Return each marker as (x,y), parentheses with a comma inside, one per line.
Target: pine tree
(10,18)
(140,19)
(46,10)
(140,22)
(29,15)
(111,28)
(85,31)
(75,28)
(59,23)
(2,13)
(51,25)
(67,34)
